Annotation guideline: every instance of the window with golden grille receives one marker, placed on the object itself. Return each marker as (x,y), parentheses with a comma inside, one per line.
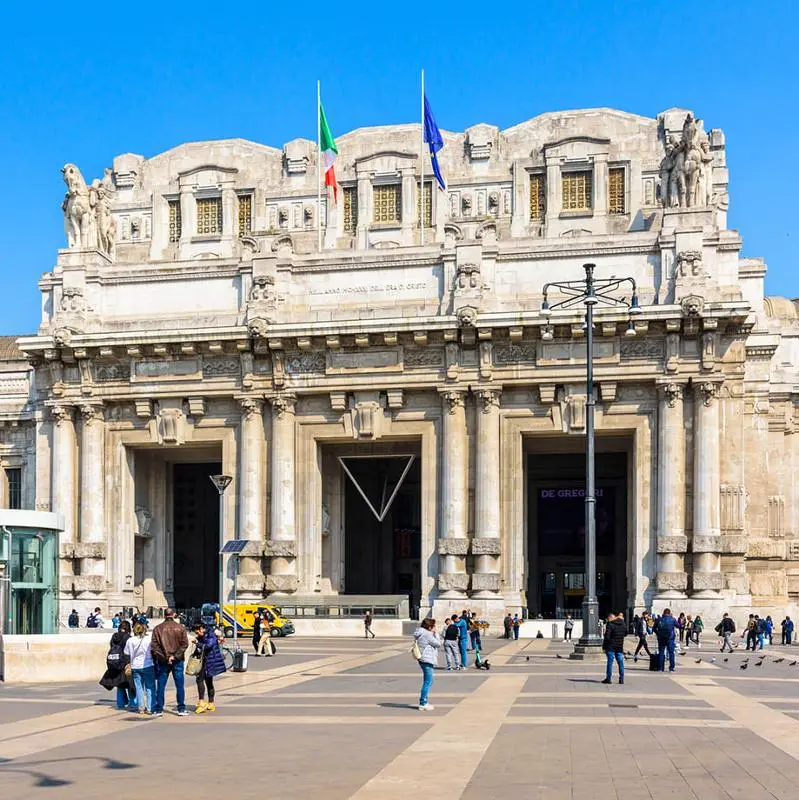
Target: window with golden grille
(350,209)
(387,200)
(209,215)
(428,203)
(616,191)
(537,196)
(576,191)
(175,221)
(245,214)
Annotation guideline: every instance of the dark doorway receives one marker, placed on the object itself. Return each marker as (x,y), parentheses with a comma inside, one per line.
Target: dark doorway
(196,535)
(383,557)
(556,531)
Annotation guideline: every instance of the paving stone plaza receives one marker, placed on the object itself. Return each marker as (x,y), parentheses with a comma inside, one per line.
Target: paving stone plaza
(330,719)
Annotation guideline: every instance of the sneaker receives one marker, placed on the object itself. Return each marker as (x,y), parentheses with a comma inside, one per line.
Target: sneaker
(183,713)
(607,680)
(635,659)
(158,713)
(428,707)
(621,681)
(211,707)
(202,707)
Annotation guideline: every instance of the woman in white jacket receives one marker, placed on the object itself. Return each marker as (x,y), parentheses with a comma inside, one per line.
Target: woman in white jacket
(429,643)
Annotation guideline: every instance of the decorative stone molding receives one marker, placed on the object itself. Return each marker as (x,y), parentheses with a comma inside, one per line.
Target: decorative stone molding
(281,583)
(485,546)
(258,327)
(144,408)
(395,398)
(706,544)
(72,299)
(250,406)
(672,544)
(672,392)
(521,353)
(776,516)
(488,399)
(732,506)
(693,305)
(62,414)
(766,548)
(468,276)
(273,548)
(90,550)
(546,392)
(734,545)
(453,400)
(62,337)
(707,391)
(453,547)
(453,581)
(94,584)
(282,405)
(486,582)
(689,264)
(467,316)
(338,401)
(672,581)
(707,581)
(196,406)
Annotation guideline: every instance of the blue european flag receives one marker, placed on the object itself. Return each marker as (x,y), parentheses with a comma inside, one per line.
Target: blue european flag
(432,135)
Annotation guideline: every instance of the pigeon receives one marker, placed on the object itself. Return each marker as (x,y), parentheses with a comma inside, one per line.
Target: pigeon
(759,664)
(682,652)
(779,660)
(744,666)
(557,655)
(528,658)
(698,661)
(726,660)
(793,663)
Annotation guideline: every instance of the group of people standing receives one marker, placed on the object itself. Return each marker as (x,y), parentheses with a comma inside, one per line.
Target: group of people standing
(139,664)
(262,633)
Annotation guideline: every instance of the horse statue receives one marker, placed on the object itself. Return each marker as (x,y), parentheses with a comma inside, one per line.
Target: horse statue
(77,208)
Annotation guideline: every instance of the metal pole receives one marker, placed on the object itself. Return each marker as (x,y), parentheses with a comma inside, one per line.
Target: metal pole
(590,603)
(421,164)
(221,557)
(235,601)
(319,166)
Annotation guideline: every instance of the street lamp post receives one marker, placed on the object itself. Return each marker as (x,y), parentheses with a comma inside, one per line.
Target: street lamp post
(221,482)
(590,292)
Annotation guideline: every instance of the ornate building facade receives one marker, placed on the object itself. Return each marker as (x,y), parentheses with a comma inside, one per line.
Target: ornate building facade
(400,418)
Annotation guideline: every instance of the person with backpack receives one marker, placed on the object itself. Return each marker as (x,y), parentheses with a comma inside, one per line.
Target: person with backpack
(213,664)
(641,632)
(73,620)
(613,645)
(95,619)
(451,635)
(114,676)
(516,623)
(761,632)
(770,629)
(666,632)
(751,633)
(427,643)
(256,631)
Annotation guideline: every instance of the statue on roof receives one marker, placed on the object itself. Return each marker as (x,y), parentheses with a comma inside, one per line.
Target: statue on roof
(686,168)
(88,221)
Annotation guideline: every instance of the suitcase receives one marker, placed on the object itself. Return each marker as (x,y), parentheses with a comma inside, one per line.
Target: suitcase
(653,663)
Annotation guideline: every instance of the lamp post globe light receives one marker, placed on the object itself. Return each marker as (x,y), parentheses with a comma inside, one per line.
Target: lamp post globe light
(589,292)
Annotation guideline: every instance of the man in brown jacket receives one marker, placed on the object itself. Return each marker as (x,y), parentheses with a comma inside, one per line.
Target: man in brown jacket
(169,646)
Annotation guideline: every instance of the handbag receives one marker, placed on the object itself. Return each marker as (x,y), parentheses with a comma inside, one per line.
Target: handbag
(194,665)
(416,651)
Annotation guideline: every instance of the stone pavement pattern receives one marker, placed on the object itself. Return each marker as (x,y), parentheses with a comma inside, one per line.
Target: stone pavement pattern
(332,719)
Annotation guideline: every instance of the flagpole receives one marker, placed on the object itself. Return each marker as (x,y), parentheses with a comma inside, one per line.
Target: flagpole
(421,163)
(319,166)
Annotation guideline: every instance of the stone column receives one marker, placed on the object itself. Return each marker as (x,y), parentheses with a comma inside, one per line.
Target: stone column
(93,547)
(672,543)
(453,544)
(486,543)
(63,473)
(252,496)
(282,544)
(706,545)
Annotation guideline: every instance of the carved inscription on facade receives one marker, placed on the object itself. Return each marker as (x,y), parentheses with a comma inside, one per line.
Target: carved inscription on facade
(642,348)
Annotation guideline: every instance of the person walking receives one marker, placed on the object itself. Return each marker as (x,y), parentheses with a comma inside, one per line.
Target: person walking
(169,645)
(516,623)
(697,629)
(508,625)
(95,619)
(114,676)
(787,630)
(761,632)
(138,649)
(613,645)
(725,629)
(665,630)
(770,630)
(681,627)
(451,635)
(568,627)
(266,647)
(463,640)
(73,620)
(689,631)
(367,626)
(213,664)
(641,633)
(429,643)
(256,631)
(751,633)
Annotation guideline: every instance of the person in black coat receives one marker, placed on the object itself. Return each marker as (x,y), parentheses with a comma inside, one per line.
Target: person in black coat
(613,645)
(114,676)
(256,631)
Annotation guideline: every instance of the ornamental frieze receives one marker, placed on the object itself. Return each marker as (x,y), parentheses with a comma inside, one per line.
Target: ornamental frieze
(514,354)
(642,348)
(425,357)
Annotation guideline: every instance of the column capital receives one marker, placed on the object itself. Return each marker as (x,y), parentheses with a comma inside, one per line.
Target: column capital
(283,404)
(251,406)
(92,412)
(62,413)
(671,392)
(453,399)
(707,391)
(489,399)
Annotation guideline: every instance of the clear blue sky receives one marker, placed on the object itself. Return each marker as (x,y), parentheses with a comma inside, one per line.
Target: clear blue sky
(83,82)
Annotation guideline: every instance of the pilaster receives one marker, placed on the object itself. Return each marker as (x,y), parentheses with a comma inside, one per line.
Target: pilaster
(93,545)
(252,489)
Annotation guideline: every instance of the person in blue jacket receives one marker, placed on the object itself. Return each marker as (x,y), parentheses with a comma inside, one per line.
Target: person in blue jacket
(463,627)
(665,630)
(787,630)
(213,664)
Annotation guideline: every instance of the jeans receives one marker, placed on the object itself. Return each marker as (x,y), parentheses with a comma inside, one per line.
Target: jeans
(125,698)
(162,671)
(451,653)
(144,680)
(663,648)
(515,631)
(475,637)
(727,641)
(567,634)
(788,637)
(464,658)
(761,640)
(618,657)
(427,679)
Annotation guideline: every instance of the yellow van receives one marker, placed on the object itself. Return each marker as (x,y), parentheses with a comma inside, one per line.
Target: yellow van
(245,614)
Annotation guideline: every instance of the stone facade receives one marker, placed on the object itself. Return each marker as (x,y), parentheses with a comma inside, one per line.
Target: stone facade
(192,309)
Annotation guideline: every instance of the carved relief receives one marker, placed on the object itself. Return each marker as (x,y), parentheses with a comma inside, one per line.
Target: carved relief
(258,327)
(672,392)
(302,363)
(707,392)
(62,337)
(61,414)
(170,423)
(263,288)
(672,351)
(92,412)
(514,353)
(216,367)
(282,405)
(468,276)
(72,299)
(453,400)
(693,305)
(467,316)
(689,264)
(488,400)
(733,505)
(776,516)
(641,347)
(144,520)
(685,171)
(111,372)
(424,357)
(250,407)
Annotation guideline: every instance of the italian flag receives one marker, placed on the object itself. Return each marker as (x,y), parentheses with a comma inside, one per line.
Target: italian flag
(327,146)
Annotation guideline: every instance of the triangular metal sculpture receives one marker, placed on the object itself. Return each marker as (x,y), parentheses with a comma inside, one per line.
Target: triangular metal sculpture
(385,505)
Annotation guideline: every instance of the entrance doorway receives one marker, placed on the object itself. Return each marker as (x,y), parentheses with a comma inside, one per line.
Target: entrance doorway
(382,556)
(195,505)
(556,532)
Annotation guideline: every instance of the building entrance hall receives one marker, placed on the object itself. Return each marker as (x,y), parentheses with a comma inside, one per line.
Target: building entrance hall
(556,531)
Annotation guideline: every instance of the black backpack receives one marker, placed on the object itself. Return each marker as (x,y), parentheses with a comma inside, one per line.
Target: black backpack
(116,658)
(91,622)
